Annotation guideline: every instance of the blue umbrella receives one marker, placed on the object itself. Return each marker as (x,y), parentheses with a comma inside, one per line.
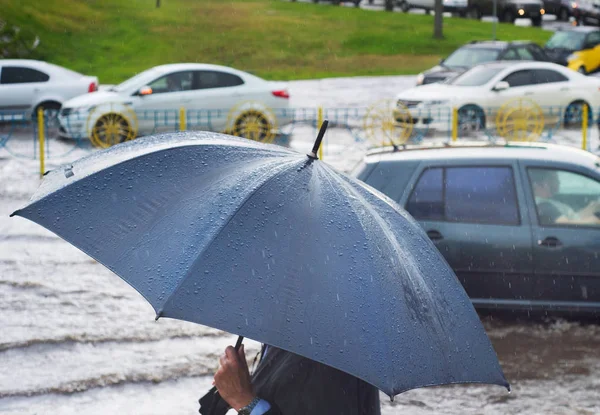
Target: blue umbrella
(274,245)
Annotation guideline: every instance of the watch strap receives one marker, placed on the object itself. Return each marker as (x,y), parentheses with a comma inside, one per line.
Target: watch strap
(246,410)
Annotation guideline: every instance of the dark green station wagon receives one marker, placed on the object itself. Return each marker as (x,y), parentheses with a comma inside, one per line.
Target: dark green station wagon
(518,223)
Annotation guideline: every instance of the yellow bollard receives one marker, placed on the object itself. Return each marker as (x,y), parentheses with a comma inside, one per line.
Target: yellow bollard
(454,123)
(182,119)
(319,123)
(40,119)
(584,126)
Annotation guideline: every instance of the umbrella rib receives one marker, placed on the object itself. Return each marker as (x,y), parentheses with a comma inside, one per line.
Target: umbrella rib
(233,214)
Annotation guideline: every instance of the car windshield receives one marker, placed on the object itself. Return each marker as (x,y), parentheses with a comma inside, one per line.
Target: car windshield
(468,57)
(477,76)
(566,40)
(136,80)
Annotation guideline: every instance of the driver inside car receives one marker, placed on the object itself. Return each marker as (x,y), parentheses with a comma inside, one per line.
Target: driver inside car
(546,184)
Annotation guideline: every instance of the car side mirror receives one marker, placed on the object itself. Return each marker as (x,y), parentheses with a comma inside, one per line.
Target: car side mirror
(146,90)
(501,86)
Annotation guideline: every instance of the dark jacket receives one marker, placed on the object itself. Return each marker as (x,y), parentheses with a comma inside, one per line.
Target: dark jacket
(294,385)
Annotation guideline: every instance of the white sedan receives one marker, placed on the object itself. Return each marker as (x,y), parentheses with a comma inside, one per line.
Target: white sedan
(479,93)
(26,85)
(214,98)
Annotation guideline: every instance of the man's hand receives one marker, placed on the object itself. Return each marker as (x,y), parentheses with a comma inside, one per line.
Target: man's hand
(233,378)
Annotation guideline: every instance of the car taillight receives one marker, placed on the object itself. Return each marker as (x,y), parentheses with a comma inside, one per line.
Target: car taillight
(281,93)
(93,87)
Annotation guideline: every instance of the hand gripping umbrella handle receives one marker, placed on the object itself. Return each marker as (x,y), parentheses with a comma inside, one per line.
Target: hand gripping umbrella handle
(215,393)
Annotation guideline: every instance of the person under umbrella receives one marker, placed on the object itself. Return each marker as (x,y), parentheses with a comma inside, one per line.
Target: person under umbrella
(285,383)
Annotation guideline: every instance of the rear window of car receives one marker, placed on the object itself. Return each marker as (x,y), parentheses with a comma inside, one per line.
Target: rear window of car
(484,195)
(216,79)
(21,75)
(468,57)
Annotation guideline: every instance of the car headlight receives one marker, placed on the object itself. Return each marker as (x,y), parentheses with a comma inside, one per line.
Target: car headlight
(420,79)
(83,110)
(572,57)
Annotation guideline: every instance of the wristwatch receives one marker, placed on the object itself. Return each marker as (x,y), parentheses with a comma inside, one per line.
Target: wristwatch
(246,410)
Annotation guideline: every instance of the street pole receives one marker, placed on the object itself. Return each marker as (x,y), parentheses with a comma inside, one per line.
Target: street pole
(495,19)
(438,20)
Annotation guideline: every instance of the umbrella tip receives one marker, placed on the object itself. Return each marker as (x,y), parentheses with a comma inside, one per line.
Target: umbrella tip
(158,315)
(315,150)
(16,212)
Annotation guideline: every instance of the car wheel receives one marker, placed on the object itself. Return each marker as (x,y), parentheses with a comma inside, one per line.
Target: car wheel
(582,70)
(427,11)
(508,16)
(563,14)
(253,125)
(471,119)
(51,110)
(474,13)
(574,114)
(111,129)
(536,21)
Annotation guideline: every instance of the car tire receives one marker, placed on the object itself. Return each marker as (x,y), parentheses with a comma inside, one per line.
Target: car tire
(428,11)
(111,129)
(536,21)
(509,16)
(253,125)
(51,110)
(471,119)
(474,13)
(563,14)
(582,70)
(573,114)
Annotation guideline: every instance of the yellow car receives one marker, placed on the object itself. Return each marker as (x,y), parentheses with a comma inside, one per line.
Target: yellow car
(577,48)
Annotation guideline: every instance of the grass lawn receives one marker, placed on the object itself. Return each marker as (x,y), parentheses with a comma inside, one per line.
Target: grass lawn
(275,39)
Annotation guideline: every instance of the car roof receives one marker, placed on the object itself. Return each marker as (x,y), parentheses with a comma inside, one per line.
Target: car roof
(199,66)
(584,29)
(481,150)
(495,44)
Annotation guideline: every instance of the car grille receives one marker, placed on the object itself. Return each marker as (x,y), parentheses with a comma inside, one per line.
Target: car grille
(65,112)
(408,104)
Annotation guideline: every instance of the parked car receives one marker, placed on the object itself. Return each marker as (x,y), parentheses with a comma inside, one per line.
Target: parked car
(587,12)
(508,10)
(26,85)
(339,2)
(451,6)
(153,98)
(577,48)
(518,223)
(562,9)
(479,93)
(477,52)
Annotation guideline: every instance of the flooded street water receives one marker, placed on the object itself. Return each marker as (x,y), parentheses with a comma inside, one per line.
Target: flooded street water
(76,338)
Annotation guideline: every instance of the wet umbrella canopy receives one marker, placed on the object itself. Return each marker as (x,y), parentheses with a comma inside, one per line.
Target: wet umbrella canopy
(274,245)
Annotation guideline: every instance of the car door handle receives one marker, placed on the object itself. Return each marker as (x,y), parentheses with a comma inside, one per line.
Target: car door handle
(550,242)
(434,235)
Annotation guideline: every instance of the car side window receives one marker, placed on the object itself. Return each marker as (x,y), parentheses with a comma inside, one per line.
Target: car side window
(593,39)
(545,76)
(216,79)
(537,52)
(21,75)
(484,195)
(426,201)
(173,82)
(565,198)
(524,54)
(519,78)
(510,55)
